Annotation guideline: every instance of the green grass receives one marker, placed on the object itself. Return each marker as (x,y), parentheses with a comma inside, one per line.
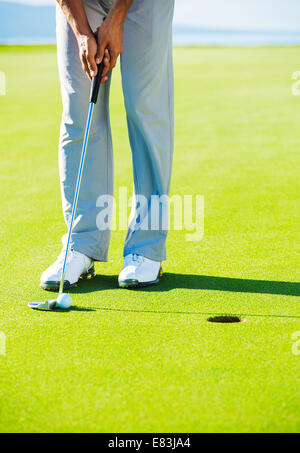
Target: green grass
(148,360)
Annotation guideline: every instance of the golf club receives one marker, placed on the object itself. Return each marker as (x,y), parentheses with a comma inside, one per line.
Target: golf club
(64,300)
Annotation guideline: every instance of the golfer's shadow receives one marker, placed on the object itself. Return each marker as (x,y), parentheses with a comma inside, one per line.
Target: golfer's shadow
(171,281)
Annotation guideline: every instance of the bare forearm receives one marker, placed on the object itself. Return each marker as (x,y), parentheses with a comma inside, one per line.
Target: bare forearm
(109,43)
(110,34)
(75,14)
(120,9)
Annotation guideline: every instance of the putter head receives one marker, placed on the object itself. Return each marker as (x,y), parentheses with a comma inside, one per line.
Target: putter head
(47,305)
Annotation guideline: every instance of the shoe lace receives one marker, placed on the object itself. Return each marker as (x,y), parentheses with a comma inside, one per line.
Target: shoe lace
(61,256)
(137,258)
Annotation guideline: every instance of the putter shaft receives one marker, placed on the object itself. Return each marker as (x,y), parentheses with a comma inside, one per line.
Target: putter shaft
(93,99)
(77,189)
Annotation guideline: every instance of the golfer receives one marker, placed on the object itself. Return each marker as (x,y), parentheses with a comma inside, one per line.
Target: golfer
(140,31)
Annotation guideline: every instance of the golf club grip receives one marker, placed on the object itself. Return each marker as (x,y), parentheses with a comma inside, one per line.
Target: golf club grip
(96,83)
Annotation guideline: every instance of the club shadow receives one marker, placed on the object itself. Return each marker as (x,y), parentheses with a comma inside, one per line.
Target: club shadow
(201,313)
(67,310)
(171,281)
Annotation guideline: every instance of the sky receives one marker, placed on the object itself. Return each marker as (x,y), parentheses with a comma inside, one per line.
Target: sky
(232,14)
(239,14)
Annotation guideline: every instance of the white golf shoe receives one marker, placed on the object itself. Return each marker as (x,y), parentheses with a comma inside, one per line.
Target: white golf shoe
(139,271)
(78,266)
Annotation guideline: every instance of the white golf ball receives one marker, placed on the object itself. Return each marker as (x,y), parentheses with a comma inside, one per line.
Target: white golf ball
(64,301)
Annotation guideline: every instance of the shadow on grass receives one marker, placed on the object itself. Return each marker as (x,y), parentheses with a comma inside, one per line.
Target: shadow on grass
(202,313)
(171,281)
(161,312)
(67,310)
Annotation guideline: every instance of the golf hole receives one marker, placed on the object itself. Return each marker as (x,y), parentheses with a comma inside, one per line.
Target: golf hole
(226,319)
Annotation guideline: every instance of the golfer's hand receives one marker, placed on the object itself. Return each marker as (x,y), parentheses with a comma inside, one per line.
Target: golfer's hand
(110,42)
(87,45)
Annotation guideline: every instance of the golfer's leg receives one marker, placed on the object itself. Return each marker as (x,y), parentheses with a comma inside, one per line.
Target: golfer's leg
(89,236)
(147,77)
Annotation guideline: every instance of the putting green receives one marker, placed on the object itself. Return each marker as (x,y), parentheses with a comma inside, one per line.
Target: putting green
(148,360)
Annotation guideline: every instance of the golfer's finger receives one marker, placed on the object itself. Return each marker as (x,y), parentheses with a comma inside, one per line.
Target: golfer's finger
(85,66)
(100,53)
(113,59)
(106,62)
(91,65)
